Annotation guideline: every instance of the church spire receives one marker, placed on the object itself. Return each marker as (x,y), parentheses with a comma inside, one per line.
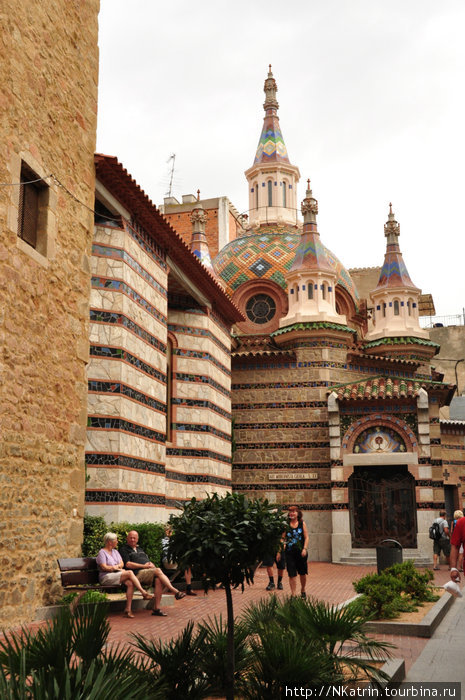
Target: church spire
(394,271)
(272,178)
(311,280)
(395,297)
(199,243)
(271,146)
(311,254)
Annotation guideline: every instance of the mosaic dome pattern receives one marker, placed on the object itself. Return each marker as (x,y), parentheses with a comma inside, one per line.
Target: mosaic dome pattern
(268,254)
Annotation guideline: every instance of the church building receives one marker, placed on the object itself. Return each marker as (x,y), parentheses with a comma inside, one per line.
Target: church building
(334,399)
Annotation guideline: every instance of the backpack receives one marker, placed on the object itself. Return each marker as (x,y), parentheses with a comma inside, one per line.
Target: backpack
(435,532)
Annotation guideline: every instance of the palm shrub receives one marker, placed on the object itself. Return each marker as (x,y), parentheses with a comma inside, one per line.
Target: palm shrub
(213,662)
(279,655)
(68,659)
(176,663)
(328,641)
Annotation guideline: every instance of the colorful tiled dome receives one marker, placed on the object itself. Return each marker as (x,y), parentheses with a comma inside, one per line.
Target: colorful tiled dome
(268,254)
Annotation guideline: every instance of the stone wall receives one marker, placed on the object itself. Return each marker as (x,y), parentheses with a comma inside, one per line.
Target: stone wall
(48,73)
(452,342)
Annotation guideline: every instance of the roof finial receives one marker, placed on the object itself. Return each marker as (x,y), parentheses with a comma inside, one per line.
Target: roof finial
(391,227)
(270,89)
(198,195)
(309,206)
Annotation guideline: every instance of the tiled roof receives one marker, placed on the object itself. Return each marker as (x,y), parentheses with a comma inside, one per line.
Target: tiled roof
(382,388)
(111,173)
(313,325)
(401,340)
(252,352)
(268,254)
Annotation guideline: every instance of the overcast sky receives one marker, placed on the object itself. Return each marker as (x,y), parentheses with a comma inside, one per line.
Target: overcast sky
(372,109)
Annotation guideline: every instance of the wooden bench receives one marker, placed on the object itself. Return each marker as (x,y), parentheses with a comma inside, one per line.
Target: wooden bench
(81,574)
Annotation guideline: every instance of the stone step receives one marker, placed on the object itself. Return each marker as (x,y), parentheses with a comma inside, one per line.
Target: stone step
(360,559)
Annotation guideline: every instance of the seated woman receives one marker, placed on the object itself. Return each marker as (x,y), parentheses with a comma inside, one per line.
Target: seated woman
(111,572)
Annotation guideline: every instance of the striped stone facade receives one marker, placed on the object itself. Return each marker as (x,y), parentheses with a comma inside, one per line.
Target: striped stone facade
(159,375)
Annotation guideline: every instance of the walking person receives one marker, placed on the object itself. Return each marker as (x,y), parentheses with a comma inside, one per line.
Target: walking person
(443,543)
(269,560)
(296,549)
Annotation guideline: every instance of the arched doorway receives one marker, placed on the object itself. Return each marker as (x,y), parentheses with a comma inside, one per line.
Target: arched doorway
(382,505)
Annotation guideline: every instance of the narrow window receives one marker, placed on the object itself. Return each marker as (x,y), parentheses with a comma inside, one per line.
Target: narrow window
(310,290)
(270,193)
(31,196)
(284,195)
(169,387)
(396,308)
(256,195)
(384,309)
(409,307)
(323,290)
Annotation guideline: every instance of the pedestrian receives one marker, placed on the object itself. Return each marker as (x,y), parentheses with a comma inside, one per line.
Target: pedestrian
(296,549)
(269,560)
(443,543)
(457,541)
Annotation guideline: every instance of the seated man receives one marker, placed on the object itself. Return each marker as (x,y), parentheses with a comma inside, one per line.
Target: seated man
(136,560)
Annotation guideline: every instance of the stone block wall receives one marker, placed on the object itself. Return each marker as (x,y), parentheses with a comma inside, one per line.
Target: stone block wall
(126,433)
(48,73)
(281,431)
(198,456)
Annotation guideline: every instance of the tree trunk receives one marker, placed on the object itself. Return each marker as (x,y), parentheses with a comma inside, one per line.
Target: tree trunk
(230,664)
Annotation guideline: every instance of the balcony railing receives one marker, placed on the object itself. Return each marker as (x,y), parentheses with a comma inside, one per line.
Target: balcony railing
(440,321)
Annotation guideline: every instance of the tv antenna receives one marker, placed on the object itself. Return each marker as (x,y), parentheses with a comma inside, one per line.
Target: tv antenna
(172,158)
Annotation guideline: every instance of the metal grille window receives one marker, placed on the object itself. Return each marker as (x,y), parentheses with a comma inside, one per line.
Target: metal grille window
(260,308)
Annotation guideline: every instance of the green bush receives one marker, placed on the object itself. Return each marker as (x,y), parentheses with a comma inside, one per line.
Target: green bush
(150,536)
(88,597)
(400,588)
(95,528)
(416,584)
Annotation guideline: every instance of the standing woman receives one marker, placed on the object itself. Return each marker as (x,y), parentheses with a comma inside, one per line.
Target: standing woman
(111,572)
(296,546)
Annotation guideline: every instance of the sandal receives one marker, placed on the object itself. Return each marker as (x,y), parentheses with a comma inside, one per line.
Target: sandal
(128,613)
(147,596)
(159,613)
(179,595)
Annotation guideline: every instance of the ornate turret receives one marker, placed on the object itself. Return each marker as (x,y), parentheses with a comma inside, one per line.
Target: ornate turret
(199,244)
(311,280)
(395,298)
(272,178)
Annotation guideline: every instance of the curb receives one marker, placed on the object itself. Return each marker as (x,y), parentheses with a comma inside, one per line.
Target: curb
(425,628)
(50,611)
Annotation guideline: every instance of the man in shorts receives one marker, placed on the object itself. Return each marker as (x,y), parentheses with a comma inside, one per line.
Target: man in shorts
(136,560)
(269,560)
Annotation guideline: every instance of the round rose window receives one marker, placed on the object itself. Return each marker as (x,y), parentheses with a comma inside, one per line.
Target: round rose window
(260,308)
